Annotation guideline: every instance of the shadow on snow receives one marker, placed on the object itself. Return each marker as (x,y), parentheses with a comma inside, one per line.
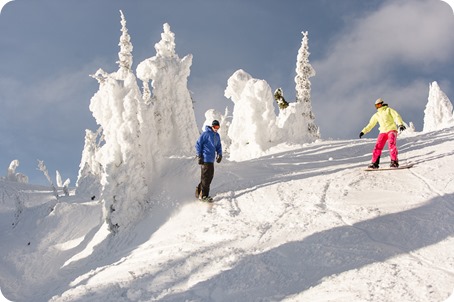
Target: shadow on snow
(294,267)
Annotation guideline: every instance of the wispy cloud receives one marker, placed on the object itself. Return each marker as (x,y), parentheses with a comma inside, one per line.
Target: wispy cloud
(368,56)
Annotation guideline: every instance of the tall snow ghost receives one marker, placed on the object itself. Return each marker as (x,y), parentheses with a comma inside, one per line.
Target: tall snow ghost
(253,126)
(304,71)
(116,163)
(297,119)
(176,126)
(138,131)
(439,110)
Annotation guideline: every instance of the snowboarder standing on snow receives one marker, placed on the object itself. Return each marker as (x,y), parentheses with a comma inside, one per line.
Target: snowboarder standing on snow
(207,146)
(387,119)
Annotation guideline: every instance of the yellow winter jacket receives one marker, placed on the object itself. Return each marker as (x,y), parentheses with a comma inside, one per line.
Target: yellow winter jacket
(386,118)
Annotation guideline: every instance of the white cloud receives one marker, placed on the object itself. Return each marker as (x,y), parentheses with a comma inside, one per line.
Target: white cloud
(367,57)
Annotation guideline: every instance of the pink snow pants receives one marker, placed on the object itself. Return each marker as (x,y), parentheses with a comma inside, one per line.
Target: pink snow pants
(381,141)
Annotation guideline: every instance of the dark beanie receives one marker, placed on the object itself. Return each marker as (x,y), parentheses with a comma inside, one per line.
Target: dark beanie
(215,123)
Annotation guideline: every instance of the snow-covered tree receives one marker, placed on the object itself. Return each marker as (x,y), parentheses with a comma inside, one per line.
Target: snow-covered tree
(253,127)
(303,109)
(439,110)
(138,131)
(304,71)
(118,164)
(170,101)
(61,184)
(90,168)
(12,175)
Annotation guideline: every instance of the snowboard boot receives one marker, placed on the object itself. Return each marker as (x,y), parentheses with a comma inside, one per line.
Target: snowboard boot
(206,199)
(375,165)
(394,164)
(197,192)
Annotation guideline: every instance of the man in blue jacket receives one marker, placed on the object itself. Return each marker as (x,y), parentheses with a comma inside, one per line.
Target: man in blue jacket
(207,146)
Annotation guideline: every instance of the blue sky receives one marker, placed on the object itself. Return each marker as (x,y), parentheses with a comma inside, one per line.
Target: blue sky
(361,50)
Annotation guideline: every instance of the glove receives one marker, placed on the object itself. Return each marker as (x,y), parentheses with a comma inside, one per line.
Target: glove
(218,159)
(402,128)
(361,134)
(200,160)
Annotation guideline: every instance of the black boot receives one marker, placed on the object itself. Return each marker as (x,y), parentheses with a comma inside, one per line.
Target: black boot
(197,192)
(375,164)
(394,164)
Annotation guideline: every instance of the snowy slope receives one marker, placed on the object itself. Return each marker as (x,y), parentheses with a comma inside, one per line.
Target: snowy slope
(302,224)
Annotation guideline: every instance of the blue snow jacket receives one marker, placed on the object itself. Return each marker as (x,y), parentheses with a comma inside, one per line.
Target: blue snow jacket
(208,144)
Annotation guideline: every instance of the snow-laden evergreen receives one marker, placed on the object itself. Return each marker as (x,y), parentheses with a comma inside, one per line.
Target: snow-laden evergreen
(303,107)
(439,110)
(12,175)
(304,71)
(138,131)
(253,127)
(170,104)
(90,168)
(60,184)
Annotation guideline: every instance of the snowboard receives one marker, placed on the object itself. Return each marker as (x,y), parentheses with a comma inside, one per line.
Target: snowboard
(401,167)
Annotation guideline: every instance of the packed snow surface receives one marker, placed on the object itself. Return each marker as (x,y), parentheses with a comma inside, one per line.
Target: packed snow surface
(303,223)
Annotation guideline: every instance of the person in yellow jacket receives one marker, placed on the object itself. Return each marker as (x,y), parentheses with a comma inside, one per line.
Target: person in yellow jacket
(387,118)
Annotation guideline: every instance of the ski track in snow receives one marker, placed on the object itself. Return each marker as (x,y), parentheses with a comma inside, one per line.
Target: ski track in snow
(290,226)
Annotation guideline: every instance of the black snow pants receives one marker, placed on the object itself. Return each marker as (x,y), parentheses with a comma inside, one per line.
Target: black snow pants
(206,176)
